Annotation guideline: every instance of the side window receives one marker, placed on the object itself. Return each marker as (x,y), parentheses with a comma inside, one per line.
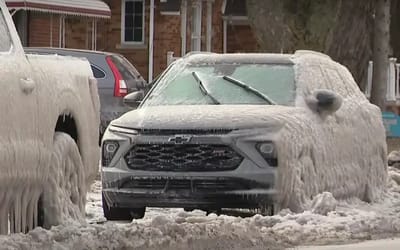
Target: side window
(337,83)
(5,37)
(98,73)
(310,78)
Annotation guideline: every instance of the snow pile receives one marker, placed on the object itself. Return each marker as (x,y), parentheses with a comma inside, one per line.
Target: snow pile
(350,221)
(323,203)
(394,159)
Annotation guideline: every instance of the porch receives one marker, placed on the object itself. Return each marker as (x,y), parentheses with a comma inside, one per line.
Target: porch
(57,23)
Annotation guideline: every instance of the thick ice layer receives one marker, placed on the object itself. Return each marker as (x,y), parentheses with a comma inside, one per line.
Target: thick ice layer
(339,149)
(343,153)
(36,92)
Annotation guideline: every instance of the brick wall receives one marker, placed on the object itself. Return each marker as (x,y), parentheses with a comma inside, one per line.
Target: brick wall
(39,30)
(167,37)
(78,33)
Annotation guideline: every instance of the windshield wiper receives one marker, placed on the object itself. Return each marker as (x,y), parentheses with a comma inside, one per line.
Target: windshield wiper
(203,88)
(248,88)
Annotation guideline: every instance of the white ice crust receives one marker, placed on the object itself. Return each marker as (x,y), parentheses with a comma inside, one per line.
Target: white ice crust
(343,153)
(33,162)
(33,166)
(341,150)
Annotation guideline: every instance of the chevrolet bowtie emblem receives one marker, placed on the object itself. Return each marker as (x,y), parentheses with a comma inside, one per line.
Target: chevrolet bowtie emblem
(180,139)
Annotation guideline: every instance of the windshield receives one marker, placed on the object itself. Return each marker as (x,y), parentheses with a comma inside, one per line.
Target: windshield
(229,84)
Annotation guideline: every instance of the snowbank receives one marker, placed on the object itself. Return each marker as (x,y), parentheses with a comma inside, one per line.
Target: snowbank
(349,221)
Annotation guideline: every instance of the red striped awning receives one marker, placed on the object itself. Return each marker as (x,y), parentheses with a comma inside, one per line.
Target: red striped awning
(89,8)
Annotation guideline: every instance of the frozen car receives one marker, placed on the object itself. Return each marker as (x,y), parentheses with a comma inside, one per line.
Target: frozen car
(48,134)
(259,131)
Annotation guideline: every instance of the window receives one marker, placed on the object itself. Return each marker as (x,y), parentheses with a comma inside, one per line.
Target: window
(131,76)
(132,30)
(179,87)
(5,38)
(98,73)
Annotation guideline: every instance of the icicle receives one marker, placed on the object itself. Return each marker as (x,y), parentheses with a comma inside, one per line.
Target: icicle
(24,208)
(3,214)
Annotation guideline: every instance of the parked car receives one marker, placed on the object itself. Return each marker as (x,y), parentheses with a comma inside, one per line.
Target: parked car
(258,131)
(48,134)
(115,75)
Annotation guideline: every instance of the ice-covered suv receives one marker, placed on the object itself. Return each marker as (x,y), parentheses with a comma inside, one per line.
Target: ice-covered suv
(265,131)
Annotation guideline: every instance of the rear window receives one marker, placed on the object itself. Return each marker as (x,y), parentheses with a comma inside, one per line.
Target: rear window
(132,77)
(5,37)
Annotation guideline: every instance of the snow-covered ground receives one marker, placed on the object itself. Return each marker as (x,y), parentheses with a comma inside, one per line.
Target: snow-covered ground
(386,244)
(351,221)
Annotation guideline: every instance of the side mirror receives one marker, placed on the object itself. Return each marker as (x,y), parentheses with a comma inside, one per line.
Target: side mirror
(133,99)
(324,102)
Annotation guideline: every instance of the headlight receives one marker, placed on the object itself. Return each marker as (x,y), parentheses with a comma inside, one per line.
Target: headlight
(122,130)
(268,152)
(108,151)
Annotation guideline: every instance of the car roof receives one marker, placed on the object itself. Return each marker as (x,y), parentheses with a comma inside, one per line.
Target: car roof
(67,51)
(212,58)
(197,58)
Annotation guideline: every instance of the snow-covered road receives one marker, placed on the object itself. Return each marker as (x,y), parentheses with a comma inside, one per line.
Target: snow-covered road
(385,244)
(352,221)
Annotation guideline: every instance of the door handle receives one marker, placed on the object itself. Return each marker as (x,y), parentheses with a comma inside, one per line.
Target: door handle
(27,85)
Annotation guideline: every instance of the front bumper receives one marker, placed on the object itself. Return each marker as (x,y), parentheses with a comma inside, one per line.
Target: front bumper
(186,198)
(247,186)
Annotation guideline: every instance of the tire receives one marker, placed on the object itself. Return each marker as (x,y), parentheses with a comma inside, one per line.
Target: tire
(118,213)
(216,211)
(65,196)
(266,210)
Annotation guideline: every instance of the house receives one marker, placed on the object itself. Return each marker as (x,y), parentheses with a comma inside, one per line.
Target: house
(147,32)
(44,23)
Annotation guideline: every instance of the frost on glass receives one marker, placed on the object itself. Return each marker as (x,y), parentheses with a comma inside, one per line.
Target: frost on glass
(180,86)
(5,39)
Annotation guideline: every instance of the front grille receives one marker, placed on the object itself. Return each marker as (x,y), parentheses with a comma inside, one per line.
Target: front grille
(182,157)
(204,185)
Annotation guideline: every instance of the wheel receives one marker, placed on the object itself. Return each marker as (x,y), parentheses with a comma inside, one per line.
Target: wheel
(66,196)
(118,213)
(216,211)
(266,209)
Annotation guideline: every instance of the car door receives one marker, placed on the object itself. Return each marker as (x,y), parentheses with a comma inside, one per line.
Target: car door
(18,109)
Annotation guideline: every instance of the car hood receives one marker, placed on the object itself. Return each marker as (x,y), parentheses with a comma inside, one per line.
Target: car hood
(205,117)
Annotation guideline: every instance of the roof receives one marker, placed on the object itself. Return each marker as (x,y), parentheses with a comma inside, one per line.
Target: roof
(89,8)
(197,58)
(33,50)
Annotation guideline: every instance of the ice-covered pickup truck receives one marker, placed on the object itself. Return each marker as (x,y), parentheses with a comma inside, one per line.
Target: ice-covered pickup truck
(49,120)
